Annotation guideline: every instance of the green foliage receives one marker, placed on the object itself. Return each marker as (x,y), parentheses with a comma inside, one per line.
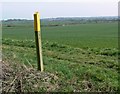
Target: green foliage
(83,56)
(77,69)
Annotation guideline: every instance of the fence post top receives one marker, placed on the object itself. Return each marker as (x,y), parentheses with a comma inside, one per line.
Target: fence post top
(37,21)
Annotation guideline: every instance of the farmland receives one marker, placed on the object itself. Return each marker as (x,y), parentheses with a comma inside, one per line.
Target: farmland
(83,57)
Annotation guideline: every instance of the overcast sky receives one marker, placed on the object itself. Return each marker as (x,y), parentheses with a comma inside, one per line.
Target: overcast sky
(73,8)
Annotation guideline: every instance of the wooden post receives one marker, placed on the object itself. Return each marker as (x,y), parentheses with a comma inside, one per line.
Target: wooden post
(38,41)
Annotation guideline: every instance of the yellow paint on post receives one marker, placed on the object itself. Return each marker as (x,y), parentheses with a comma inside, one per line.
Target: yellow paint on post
(38,41)
(36,21)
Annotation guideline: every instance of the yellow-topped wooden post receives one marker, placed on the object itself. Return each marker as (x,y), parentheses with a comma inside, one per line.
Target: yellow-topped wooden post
(36,21)
(37,30)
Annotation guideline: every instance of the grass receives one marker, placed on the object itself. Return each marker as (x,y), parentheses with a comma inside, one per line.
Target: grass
(102,35)
(77,69)
(82,56)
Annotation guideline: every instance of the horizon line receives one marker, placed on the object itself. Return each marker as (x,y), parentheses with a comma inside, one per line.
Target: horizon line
(60,17)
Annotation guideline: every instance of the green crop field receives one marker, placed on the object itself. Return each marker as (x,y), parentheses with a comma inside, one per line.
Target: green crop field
(103,35)
(82,56)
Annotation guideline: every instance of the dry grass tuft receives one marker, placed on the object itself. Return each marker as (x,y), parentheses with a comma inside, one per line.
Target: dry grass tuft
(21,78)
